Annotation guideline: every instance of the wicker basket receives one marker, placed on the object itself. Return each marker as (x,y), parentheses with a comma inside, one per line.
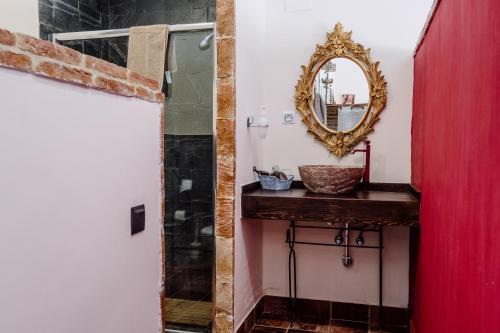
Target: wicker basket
(274,183)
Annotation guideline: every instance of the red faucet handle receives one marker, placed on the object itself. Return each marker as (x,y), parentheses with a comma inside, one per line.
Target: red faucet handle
(366,175)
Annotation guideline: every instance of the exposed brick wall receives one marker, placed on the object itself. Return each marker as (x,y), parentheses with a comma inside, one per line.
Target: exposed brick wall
(40,57)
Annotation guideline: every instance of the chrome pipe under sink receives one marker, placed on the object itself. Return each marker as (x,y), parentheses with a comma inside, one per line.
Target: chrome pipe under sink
(346,258)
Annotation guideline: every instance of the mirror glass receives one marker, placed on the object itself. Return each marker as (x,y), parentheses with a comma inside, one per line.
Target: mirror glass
(341,94)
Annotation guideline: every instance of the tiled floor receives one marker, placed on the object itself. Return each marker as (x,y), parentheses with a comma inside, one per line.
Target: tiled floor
(272,323)
(186,312)
(274,315)
(274,326)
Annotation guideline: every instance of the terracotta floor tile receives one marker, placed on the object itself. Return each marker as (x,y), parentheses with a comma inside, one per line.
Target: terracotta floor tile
(348,311)
(263,329)
(310,326)
(338,326)
(272,320)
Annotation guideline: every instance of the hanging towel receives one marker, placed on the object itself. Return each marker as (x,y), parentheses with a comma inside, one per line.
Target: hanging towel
(147,51)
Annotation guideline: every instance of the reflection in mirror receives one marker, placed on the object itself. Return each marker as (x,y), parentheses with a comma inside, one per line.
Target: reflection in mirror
(341,94)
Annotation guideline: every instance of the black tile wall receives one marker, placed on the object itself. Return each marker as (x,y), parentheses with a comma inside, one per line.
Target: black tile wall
(128,13)
(75,15)
(71,15)
(84,15)
(189,235)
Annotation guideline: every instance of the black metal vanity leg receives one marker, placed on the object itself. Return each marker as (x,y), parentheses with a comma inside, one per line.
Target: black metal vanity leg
(380,296)
(292,265)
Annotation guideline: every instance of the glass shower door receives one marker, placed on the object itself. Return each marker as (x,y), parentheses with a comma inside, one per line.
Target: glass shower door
(189,182)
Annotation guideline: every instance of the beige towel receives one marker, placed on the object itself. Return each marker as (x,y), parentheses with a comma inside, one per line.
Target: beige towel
(147,50)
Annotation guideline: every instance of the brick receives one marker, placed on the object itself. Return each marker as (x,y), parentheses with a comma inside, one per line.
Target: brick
(226,131)
(135,77)
(225,19)
(75,75)
(225,57)
(114,86)
(225,98)
(226,155)
(106,67)
(36,46)
(225,218)
(48,49)
(7,38)
(48,68)
(144,93)
(64,73)
(14,60)
(159,97)
(68,55)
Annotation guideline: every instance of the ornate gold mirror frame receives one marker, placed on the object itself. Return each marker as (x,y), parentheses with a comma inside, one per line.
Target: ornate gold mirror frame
(340,45)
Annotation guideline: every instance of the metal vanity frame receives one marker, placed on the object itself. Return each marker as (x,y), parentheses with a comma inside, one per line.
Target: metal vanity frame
(292,263)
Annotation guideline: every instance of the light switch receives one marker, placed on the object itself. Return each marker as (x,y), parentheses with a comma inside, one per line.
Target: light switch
(288,117)
(138,219)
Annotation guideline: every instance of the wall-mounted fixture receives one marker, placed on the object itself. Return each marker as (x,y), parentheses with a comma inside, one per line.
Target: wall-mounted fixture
(360,240)
(339,239)
(260,121)
(137,219)
(205,43)
(288,117)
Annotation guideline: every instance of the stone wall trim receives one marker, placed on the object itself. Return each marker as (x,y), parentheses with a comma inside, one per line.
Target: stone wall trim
(40,57)
(226,169)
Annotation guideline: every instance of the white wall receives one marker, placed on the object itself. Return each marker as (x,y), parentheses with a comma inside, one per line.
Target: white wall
(20,16)
(390,28)
(248,238)
(321,275)
(74,160)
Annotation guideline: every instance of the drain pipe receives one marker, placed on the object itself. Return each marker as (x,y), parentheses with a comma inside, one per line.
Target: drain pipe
(346,258)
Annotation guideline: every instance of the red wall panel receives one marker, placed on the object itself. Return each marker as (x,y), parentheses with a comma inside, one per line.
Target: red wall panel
(456,164)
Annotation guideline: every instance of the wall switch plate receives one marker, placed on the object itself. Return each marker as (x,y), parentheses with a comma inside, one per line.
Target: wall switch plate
(137,219)
(288,117)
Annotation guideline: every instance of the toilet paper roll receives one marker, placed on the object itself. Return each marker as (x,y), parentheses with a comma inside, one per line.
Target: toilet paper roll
(186,185)
(180,215)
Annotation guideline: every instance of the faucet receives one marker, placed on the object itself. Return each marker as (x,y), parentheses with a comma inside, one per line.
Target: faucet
(366,173)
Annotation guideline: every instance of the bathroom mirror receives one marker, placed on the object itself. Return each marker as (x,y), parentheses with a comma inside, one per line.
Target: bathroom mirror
(341,93)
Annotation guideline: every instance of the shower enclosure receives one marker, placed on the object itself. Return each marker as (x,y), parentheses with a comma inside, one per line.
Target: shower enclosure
(189,164)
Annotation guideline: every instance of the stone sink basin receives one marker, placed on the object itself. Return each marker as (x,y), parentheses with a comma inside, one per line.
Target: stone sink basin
(331,179)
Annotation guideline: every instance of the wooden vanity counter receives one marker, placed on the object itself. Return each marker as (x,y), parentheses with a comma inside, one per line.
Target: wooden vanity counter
(375,204)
